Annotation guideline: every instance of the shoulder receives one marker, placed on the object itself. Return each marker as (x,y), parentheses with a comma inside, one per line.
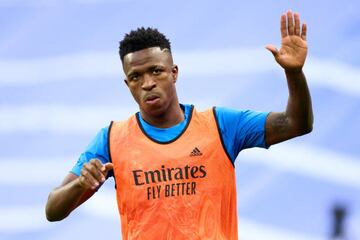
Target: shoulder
(101,136)
(228,116)
(241,124)
(230,112)
(97,148)
(234,116)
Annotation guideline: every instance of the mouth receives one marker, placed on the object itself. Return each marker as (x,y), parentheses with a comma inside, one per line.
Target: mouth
(151,99)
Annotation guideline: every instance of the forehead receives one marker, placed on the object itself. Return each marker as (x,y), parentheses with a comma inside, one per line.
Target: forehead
(148,56)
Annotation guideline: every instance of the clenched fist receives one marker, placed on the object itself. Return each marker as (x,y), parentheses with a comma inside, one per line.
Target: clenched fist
(93,174)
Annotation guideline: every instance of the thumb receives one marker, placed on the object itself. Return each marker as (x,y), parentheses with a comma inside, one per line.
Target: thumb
(273,50)
(107,167)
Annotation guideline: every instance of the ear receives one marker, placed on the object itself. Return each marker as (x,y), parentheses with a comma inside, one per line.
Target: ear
(175,72)
(126,82)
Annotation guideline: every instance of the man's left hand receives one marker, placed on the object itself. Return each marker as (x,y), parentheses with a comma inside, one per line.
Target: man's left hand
(293,51)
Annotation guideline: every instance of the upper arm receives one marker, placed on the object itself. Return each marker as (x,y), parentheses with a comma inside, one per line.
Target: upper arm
(278,128)
(241,129)
(98,148)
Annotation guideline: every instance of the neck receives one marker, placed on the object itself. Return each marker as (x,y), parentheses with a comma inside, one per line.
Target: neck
(167,118)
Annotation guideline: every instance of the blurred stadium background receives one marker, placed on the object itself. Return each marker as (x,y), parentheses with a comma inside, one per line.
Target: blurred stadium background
(61,81)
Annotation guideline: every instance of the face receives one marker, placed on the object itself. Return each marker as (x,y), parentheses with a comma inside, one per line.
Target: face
(151,76)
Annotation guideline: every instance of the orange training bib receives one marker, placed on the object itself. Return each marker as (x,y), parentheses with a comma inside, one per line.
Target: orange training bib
(183,189)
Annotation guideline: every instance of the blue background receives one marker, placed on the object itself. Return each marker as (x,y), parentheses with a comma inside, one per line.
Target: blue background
(61,81)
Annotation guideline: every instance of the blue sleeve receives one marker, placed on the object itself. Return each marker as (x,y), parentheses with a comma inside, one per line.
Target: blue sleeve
(241,129)
(98,148)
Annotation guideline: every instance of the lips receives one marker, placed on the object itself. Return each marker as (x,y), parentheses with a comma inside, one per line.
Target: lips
(151,98)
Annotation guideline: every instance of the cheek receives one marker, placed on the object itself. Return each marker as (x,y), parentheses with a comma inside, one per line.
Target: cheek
(135,93)
(170,89)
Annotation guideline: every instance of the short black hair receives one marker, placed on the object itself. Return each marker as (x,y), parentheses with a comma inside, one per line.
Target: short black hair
(142,38)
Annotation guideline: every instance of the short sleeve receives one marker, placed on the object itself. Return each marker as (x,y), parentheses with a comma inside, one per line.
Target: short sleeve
(98,148)
(241,129)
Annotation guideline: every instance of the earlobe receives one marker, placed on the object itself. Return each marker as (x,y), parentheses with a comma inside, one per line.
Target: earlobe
(175,71)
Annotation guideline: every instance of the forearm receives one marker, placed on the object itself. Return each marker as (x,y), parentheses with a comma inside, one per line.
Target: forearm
(76,189)
(299,108)
(63,200)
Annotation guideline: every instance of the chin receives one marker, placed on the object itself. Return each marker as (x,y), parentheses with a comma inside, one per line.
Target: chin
(156,110)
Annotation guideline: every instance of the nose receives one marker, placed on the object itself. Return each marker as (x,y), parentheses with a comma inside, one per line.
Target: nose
(149,82)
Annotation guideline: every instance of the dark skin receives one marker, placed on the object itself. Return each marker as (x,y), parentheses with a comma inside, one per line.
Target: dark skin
(151,77)
(298,116)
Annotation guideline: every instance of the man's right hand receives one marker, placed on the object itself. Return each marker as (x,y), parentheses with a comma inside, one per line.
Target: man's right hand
(75,190)
(93,174)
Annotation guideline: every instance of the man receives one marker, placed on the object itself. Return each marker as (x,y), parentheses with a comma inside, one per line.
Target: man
(173,166)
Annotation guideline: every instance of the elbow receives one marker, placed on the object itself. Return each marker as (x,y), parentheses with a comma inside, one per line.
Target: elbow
(303,126)
(310,124)
(51,211)
(53,219)
(308,128)
(51,216)
(306,131)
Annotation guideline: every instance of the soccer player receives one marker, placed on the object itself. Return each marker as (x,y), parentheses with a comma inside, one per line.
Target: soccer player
(174,166)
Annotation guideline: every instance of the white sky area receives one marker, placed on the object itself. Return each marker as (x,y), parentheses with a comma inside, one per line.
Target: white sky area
(328,73)
(102,206)
(300,159)
(319,164)
(51,3)
(324,165)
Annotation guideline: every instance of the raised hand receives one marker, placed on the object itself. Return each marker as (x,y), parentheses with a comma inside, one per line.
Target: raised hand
(93,174)
(293,51)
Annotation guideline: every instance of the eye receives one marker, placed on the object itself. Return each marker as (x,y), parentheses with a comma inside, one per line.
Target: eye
(157,71)
(134,77)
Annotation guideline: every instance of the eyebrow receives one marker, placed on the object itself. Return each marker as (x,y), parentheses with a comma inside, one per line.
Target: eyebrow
(156,66)
(132,73)
(151,67)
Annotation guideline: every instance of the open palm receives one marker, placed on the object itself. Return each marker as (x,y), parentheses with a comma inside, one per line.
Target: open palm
(293,51)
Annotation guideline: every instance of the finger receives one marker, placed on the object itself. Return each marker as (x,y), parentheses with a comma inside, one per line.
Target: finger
(84,183)
(283,26)
(88,178)
(98,165)
(273,50)
(107,167)
(303,31)
(96,162)
(297,24)
(93,174)
(95,169)
(290,23)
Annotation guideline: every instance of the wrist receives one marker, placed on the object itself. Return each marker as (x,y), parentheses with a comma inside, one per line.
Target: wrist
(295,71)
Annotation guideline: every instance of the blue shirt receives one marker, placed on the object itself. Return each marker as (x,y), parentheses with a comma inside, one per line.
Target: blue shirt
(239,130)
